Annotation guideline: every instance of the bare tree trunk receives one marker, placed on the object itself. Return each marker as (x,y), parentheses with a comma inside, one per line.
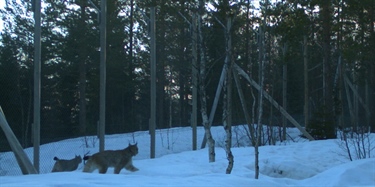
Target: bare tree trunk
(202,88)
(260,108)
(306,75)
(227,99)
(285,86)
(270,130)
(348,96)
(355,101)
(82,75)
(372,94)
(249,66)
(327,69)
(371,70)
(227,122)
(170,94)
(130,104)
(182,76)
(195,82)
(367,101)
(29,113)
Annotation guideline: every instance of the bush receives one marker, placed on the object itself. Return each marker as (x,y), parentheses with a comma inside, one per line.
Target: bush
(358,142)
(321,126)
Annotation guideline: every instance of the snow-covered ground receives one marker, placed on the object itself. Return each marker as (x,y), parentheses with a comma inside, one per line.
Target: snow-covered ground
(296,162)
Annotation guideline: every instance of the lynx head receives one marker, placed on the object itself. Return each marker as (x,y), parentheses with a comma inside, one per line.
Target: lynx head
(78,158)
(133,149)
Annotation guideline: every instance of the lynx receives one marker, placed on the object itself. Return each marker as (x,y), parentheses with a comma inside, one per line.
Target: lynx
(112,158)
(66,165)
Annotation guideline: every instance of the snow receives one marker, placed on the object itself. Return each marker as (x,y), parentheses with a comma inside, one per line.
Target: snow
(296,162)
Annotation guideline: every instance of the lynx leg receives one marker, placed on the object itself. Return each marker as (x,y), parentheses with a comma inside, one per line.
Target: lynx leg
(117,170)
(56,167)
(130,167)
(103,169)
(89,167)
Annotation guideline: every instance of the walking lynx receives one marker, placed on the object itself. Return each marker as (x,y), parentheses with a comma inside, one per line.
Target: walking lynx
(112,158)
(66,165)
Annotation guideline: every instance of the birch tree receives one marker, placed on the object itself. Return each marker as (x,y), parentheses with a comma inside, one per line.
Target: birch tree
(260,108)
(202,88)
(227,121)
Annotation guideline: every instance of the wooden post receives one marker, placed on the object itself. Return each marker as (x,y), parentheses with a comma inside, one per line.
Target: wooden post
(244,107)
(153,82)
(37,84)
(103,52)
(21,157)
(216,100)
(217,97)
(356,94)
(275,104)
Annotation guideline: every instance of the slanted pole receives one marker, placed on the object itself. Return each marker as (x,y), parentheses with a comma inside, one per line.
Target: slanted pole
(216,100)
(244,107)
(275,104)
(21,157)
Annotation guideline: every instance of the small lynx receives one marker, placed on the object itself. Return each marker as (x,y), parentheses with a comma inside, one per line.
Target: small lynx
(66,165)
(112,158)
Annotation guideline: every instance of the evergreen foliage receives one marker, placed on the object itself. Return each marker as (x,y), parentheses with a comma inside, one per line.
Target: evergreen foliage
(70,63)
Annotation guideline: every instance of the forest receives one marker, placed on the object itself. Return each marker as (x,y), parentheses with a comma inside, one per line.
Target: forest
(315,58)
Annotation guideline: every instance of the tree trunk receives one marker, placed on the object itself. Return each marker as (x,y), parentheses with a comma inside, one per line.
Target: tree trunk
(227,122)
(227,99)
(306,85)
(371,71)
(260,108)
(82,73)
(182,75)
(130,101)
(161,82)
(195,83)
(327,69)
(285,86)
(372,95)
(202,88)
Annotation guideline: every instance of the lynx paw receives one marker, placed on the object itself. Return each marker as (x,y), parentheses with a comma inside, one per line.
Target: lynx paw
(134,169)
